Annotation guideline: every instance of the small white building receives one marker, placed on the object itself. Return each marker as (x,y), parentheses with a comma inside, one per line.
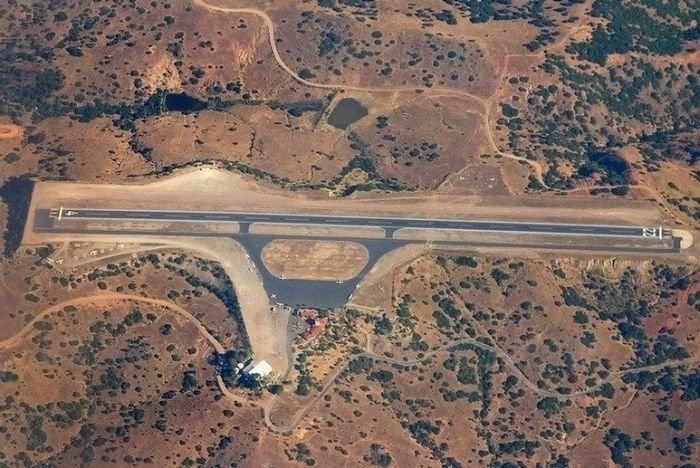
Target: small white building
(260,368)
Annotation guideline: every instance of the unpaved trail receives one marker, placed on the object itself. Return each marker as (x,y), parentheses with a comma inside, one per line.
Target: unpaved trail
(107,298)
(483,103)
(303,412)
(270,26)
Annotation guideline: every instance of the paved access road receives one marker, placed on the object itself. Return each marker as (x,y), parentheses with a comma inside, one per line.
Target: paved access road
(393,223)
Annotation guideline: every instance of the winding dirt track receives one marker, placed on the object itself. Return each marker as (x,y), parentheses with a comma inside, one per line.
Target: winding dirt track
(485,104)
(303,412)
(106,298)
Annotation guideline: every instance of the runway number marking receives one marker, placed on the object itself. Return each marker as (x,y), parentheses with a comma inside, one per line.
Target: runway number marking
(162,215)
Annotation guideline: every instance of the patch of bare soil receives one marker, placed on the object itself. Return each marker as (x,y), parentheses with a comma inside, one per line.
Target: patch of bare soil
(88,151)
(268,139)
(10,131)
(420,140)
(314,260)
(311,230)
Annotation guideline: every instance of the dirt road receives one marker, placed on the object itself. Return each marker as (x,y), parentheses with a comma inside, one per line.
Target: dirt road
(483,103)
(105,299)
(302,413)
(532,386)
(266,330)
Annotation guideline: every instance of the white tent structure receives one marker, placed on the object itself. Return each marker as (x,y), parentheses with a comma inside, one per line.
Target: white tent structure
(260,368)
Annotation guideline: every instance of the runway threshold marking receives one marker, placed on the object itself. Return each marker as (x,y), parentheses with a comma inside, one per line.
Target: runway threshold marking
(387,218)
(347,220)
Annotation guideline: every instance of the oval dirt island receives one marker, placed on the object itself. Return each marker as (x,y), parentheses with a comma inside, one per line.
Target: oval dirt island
(314,260)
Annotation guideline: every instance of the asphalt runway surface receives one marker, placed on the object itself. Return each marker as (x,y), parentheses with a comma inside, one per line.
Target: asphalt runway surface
(329,294)
(391,223)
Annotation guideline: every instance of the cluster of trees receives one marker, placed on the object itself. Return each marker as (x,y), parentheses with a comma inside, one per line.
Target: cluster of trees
(626,304)
(225,293)
(630,27)
(378,456)
(29,89)
(534,12)
(562,121)
(226,364)
(16,193)
(304,380)
(620,443)
(364,161)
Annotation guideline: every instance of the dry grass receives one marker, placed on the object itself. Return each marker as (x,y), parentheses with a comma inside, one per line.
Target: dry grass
(127,379)
(96,358)
(314,260)
(525,317)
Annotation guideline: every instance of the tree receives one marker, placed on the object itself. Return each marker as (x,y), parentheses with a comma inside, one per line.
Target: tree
(383,326)
(249,381)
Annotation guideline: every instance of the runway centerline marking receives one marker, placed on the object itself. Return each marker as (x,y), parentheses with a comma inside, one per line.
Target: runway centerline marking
(353,221)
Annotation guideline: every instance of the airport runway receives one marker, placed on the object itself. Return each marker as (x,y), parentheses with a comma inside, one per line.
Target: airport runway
(391,223)
(326,294)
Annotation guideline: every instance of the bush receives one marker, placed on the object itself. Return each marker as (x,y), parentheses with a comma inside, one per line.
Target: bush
(31,298)
(499,276)
(306,74)
(383,326)
(580,317)
(620,191)
(11,158)
(466,261)
(8,376)
(508,110)
(549,405)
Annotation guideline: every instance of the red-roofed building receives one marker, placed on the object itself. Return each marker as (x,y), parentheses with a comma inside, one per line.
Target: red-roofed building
(318,326)
(315,325)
